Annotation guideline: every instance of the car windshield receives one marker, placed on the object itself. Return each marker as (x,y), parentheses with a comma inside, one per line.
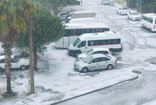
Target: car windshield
(125,9)
(87,59)
(89,52)
(135,13)
(77,41)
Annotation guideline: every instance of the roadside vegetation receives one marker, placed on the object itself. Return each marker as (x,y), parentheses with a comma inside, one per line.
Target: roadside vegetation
(29,24)
(145,6)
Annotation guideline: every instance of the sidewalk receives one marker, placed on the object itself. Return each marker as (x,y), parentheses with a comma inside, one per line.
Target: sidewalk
(73,89)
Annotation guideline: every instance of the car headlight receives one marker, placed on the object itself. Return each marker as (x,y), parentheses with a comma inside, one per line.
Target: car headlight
(78,66)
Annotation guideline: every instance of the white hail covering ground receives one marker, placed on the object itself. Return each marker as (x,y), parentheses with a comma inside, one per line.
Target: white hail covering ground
(61,82)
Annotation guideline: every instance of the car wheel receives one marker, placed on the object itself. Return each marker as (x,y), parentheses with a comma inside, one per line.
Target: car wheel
(23,67)
(76,54)
(85,69)
(151,30)
(110,67)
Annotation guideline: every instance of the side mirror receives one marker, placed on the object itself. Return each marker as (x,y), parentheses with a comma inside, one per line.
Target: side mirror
(79,46)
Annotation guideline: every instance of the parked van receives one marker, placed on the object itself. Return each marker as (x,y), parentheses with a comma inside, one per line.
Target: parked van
(109,39)
(83,20)
(149,21)
(81,14)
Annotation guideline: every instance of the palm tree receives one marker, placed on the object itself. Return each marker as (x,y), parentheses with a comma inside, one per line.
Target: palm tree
(29,9)
(12,23)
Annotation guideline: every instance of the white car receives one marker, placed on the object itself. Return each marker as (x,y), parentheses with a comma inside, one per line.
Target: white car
(95,62)
(16,63)
(122,10)
(15,51)
(106,2)
(92,51)
(133,15)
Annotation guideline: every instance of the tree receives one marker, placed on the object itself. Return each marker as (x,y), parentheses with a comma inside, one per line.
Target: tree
(148,6)
(46,29)
(131,3)
(57,5)
(29,8)
(11,24)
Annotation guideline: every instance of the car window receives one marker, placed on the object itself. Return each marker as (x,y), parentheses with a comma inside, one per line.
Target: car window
(89,52)
(95,60)
(82,44)
(104,52)
(2,61)
(135,13)
(125,9)
(105,59)
(101,52)
(13,61)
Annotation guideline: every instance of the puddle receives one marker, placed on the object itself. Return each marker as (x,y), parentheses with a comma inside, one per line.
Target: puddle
(137,71)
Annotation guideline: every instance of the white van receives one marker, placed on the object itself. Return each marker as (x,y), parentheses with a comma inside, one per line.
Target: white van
(83,20)
(82,14)
(109,39)
(149,21)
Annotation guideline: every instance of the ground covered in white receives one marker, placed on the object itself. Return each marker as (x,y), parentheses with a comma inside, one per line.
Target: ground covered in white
(60,81)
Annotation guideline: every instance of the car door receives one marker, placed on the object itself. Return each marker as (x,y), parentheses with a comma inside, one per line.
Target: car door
(14,64)
(104,61)
(94,64)
(83,46)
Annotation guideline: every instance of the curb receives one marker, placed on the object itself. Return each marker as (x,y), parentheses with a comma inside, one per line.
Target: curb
(55,103)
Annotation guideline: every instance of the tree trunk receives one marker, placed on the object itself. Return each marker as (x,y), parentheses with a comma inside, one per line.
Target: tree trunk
(55,10)
(35,60)
(7,51)
(32,88)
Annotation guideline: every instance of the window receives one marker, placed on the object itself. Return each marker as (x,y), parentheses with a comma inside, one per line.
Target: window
(101,52)
(150,20)
(104,42)
(90,43)
(82,44)
(75,32)
(76,42)
(13,61)
(2,61)
(104,59)
(95,60)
